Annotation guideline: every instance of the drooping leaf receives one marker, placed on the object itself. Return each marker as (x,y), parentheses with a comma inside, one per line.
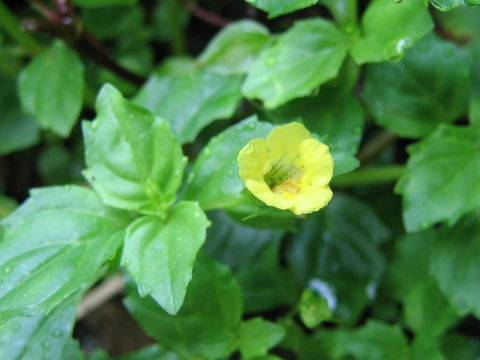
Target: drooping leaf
(257,336)
(336,254)
(413,96)
(160,253)
(380,39)
(51,88)
(134,162)
(17,130)
(41,336)
(189,97)
(206,325)
(57,242)
(235,48)
(280,7)
(454,264)
(303,58)
(440,182)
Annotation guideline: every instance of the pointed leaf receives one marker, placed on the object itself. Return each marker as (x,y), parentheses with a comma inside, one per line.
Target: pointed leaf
(257,336)
(160,254)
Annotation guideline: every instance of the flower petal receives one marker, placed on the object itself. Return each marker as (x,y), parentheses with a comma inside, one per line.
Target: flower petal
(285,140)
(251,160)
(261,190)
(317,161)
(311,199)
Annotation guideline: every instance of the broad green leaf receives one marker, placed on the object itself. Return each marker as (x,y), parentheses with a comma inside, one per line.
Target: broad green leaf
(336,253)
(377,341)
(257,336)
(59,241)
(189,97)
(134,162)
(389,28)
(160,253)
(280,7)
(426,348)
(41,336)
(234,244)
(152,352)
(454,264)
(266,285)
(214,181)
(426,309)
(313,309)
(101,3)
(299,61)
(235,48)
(413,96)
(170,20)
(446,5)
(207,324)
(474,108)
(17,130)
(51,88)
(441,178)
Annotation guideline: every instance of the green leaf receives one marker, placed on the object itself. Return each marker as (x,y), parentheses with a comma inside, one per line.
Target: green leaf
(280,7)
(234,48)
(160,254)
(101,3)
(59,241)
(313,309)
(41,336)
(234,244)
(377,341)
(336,253)
(413,96)
(440,181)
(134,162)
(454,264)
(266,285)
(51,88)
(389,28)
(206,326)
(257,336)
(446,5)
(474,108)
(189,97)
(426,309)
(17,130)
(461,23)
(299,61)
(457,346)
(214,181)
(152,352)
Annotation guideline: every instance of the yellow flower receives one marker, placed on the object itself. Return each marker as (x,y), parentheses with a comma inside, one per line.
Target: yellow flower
(288,170)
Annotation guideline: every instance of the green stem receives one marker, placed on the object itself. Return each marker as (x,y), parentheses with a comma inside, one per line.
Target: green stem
(352,12)
(12,26)
(369,176)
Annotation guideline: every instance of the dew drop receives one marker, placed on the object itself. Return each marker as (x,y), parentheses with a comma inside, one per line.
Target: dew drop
(16,327)
(128,261)
(7,270)
(57,333)
(248,149)
(271,61)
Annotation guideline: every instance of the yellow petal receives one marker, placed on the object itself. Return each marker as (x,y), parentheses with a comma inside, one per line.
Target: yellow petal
(285,140)
(311,199)
(317,161)
(251,160)
(261,190)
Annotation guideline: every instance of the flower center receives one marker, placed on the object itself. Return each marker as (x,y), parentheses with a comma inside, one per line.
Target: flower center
(282,176)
